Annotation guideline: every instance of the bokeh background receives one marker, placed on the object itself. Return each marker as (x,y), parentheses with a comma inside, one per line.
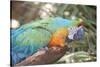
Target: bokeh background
(80,51)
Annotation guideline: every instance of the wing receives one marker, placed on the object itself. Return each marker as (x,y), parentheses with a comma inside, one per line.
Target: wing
(26,41)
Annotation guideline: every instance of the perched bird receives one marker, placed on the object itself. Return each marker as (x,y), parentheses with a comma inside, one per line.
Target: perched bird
(46,33)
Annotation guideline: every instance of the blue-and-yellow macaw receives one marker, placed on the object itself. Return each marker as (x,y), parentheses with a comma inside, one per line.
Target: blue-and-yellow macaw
(50,32)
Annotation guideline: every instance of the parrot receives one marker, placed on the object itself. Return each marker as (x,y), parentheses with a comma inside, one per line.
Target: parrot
(45,33)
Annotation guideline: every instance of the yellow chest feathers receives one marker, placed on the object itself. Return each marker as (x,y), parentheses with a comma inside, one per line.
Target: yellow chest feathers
(58,38)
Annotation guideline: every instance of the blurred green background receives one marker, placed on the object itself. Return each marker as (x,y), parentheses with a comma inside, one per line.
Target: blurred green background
(80,51)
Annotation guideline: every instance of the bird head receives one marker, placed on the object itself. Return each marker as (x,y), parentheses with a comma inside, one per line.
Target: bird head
(76,31)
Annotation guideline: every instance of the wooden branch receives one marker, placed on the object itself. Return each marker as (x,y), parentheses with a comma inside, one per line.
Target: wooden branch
(44,57)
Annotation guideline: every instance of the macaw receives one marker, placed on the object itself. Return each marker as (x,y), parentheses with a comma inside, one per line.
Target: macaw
(50,32)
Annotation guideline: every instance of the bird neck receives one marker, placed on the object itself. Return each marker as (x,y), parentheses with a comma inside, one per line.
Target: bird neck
(58,38)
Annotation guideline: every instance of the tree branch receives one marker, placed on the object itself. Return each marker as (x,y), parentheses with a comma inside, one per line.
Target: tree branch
(44,57)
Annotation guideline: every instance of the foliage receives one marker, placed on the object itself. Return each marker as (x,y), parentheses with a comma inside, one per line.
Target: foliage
(37,10)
